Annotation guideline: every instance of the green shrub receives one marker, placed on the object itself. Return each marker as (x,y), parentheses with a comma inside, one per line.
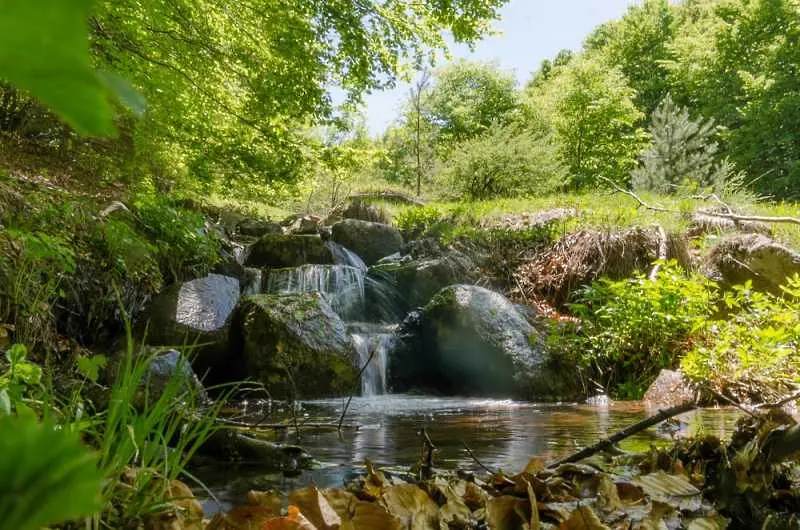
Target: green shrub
(505,162)
(184,246)
(421,221)
(758,341)
(631,329)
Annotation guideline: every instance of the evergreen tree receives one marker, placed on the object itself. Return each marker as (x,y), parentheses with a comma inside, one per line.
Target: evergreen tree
(682,151)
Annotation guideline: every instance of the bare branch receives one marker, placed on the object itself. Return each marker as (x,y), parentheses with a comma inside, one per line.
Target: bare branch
(634,196)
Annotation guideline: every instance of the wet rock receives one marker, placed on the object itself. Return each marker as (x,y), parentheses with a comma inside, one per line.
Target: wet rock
(371,241)
(752,257)
(416,281)
(299,338)
(228,444)
(472,341)
(305,225)
(197,312)
(258,227)
(364,211)
(671,387)
(252,281)
(279,251)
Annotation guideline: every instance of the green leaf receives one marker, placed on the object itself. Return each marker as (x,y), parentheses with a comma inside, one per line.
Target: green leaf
(46,475)
(44,49)
(89,367)
(16,354)
(5,403)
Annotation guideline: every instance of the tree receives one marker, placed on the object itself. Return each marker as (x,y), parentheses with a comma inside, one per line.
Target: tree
(591,109)
(467,98)
(418,91)
(682,151)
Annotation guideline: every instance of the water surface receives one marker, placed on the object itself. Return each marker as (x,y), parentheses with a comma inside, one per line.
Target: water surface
(502,434)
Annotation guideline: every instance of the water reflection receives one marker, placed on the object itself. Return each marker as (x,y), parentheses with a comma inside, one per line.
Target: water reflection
(502,434)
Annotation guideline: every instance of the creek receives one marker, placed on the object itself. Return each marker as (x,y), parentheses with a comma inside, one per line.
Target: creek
(502,434)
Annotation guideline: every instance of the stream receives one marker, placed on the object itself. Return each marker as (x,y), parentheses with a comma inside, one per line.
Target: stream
(502,434)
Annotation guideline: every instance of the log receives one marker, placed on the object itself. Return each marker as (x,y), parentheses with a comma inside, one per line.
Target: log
(625,433)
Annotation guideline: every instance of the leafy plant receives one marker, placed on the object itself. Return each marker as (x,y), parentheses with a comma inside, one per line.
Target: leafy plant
(47,475)
(20,377)
(631,329)
(416,222)
(758,340)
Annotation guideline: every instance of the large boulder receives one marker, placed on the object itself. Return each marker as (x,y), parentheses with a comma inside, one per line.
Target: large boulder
(752,257)
(279,251)
(296,338)
(257,227)
(414,282)
(671,387)
(195,314)
(371,241)
(472,341)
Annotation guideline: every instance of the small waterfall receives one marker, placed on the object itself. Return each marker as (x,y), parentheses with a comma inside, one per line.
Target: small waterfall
(341,285)
(252,281)
(343,256)
(373,342)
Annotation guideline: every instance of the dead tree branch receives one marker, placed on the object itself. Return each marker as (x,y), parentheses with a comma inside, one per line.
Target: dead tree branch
(635,197)
(625,433)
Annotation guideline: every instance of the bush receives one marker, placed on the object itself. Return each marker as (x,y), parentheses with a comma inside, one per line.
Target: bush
(631,329)
(757,344)
(505,162)
(420,221)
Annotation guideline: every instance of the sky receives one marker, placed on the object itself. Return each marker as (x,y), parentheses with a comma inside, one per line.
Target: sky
(529,32)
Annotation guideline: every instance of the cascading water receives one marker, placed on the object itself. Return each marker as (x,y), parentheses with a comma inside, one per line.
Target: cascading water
(372,343)
(341,285)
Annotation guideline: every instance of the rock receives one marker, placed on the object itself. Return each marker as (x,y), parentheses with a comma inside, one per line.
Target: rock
(195,312)
(280,251)
(371,241)
(752,257)
(416,281)
(252,281)
(364,211)
(166,366)
(301,334)
(258,227)
(229,444)
(472,341)
(305,225)
(671,387)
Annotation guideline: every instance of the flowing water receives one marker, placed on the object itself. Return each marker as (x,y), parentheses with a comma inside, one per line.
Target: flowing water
(501,433)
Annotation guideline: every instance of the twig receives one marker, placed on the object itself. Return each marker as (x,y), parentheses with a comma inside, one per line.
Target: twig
(625,433)
(728,400)
(426,457)
(355,387)
(475,458)
(635,197)
(779,404)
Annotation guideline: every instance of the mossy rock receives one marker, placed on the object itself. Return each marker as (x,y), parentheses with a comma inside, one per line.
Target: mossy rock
(371,241)
(472,341)
(296,337)
(289,250)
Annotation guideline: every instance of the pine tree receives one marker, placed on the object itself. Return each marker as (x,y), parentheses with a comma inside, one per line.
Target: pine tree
(682,152)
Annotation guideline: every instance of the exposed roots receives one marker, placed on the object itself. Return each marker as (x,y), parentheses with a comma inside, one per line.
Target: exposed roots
(582,257)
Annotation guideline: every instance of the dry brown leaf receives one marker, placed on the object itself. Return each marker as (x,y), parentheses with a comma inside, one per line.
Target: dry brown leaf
(370,516)
(507,513)
(455,510)
(710,522)
(607,496)
(266,499)
(341,501)
(294,520)
(412,506)
(583,518)
(674,490)
(535,522)
(315,507)
(473,495)
(534,465)
(242,518)
(374,483)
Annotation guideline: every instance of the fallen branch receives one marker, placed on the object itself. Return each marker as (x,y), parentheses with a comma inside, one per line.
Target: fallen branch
(635,197)
(475,458)
(754,218)
(625,433)
(779,404)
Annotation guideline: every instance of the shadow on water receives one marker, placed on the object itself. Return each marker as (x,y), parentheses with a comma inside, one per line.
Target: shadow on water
(503,434)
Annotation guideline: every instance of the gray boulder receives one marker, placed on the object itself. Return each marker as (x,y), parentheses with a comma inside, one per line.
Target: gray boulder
(299,338)
(170,367)
(280,251)
(671,387)
(752,257)
(371,241)
(195,314)
(472,341)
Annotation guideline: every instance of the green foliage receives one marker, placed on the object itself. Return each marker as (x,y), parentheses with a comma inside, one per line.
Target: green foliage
(758,340)
(631,329)
(44,49)
(682,153)
(590,107)
(419,221)
(89,366)
(185,248)
(47,475)
(504,162)
(19,379)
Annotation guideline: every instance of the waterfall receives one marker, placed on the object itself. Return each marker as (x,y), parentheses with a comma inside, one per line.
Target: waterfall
(341,285)
(373,341)
(344,256)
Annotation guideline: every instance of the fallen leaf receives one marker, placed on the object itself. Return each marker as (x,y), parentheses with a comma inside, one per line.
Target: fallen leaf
(607,496)
(583,518)
(242,518)
(266,499)
(710,522)
(507,513)
(675,490)
(315,507)
(371,516)
(294,520)
(535,465)
(412,506)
